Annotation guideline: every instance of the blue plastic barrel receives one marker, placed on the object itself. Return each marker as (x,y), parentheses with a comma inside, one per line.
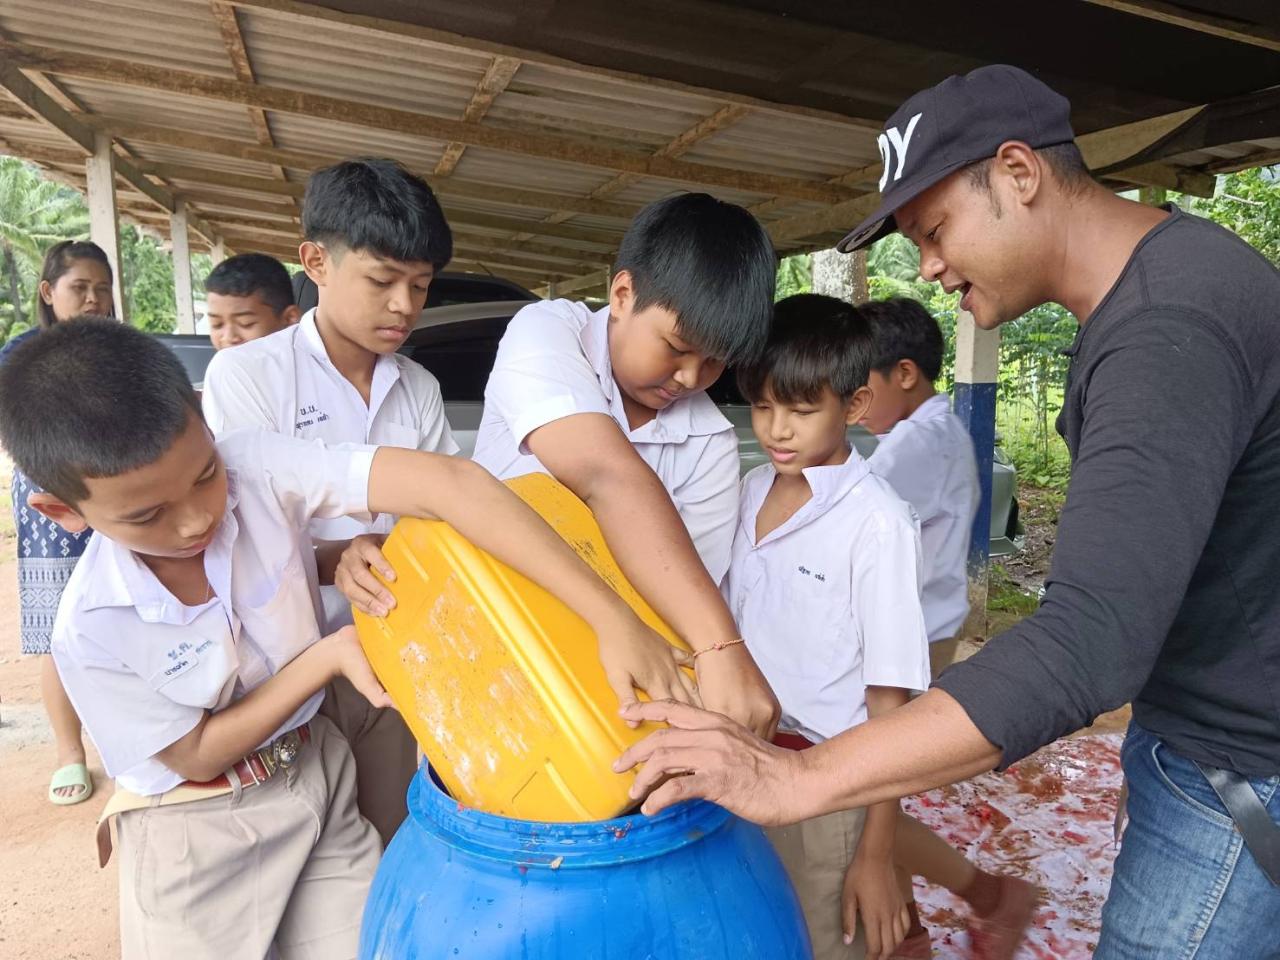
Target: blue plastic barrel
(693,883)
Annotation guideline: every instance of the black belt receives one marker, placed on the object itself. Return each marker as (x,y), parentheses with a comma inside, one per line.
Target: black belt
(1261,834)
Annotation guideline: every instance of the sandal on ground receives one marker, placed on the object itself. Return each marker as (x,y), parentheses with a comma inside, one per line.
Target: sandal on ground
(72,775)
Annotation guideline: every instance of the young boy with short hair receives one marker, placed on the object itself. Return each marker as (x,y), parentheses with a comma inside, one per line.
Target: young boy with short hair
(375,237)
(613,404)
(188,640)
(249,296)
(926,455)
(824,582)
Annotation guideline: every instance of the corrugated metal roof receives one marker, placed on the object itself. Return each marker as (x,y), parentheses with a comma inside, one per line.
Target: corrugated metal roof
(594,120)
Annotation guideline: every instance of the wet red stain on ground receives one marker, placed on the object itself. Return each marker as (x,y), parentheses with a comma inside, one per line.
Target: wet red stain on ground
(1047,819)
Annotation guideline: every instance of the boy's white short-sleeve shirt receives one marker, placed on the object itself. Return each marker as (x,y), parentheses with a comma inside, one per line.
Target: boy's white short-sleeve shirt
(141,668)
(928,459)
(829,602)
(286,383)
(553,362)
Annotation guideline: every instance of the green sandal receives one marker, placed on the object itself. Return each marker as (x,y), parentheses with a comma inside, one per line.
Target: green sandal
(72,775)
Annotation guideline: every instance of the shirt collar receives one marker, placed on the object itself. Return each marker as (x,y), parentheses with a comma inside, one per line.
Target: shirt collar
(936,406)
(693,416)
(385,369)
(121,579)
(828,484)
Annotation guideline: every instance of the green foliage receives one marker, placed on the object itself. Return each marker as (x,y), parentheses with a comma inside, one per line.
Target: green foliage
(795,275)
(1005,596)
(1248,203)
(36,213)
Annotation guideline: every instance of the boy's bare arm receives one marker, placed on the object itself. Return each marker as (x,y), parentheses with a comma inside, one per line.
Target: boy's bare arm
(222,738)
(871,888)
(589,454)
(467,497)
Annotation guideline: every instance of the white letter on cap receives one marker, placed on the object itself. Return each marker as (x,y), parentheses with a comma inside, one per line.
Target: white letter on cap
(900,145)
(883,142)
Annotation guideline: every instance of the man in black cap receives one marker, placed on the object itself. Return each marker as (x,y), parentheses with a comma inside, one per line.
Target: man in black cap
(1163,590)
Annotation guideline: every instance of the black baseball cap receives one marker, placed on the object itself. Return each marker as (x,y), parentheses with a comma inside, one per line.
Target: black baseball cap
(960,121)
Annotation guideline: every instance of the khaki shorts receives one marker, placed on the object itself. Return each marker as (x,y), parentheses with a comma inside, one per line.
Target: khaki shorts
(817,854)
(385,751)
(280,869)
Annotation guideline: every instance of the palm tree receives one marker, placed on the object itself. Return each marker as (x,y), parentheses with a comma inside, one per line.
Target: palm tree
(34,214)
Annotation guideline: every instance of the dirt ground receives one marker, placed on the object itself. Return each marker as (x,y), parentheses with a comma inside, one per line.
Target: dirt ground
(57,904)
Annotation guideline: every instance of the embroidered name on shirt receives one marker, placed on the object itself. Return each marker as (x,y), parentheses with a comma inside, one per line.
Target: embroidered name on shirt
(820,577)
(308,416)
(181,661)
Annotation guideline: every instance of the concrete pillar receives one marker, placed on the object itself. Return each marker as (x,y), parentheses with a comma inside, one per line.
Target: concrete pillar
(182,269)
(218,252)
(977,371)
(104,225)
(1155,196)
(839,275)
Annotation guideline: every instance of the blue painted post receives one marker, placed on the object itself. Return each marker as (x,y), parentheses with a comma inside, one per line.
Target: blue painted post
(977,369)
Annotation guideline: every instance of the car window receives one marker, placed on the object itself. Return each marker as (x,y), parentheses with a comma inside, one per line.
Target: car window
(459,355)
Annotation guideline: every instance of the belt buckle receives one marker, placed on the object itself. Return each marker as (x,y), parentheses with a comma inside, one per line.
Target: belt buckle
(286,747)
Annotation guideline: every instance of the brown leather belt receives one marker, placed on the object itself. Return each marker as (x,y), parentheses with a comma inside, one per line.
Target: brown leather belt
(258,767)
(261,765)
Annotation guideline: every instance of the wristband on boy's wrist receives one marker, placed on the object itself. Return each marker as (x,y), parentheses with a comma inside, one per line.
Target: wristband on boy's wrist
(718,645)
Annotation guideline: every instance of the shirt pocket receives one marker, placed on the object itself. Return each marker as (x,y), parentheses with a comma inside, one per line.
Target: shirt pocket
(398,435)
(817,612)
(197,672)
(284,622)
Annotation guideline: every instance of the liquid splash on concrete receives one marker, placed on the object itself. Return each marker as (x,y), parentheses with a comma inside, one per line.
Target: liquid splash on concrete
(1048,819)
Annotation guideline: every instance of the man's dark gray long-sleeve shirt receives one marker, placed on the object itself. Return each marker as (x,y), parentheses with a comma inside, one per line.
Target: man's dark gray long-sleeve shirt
(1165,582)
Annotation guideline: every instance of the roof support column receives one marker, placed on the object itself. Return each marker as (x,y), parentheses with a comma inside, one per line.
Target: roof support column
(218,252)
(977,371)
(104,224)
(181,248)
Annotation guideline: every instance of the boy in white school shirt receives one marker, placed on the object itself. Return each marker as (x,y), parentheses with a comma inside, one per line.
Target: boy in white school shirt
(824,583)
(188,639)
(375,236)
(613,404)
(927,456)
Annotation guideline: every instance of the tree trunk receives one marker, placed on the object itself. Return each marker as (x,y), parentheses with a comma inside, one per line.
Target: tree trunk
(841,275)
(15,293)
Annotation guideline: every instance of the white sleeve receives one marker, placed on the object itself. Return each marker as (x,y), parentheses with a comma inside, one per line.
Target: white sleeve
(434,434)
(886,604)
(312,480)
(103,690)
(708,502)
(913,466)
(234,397)
(541,373)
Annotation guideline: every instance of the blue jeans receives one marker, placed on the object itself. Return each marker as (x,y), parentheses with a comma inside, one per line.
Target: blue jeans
(1185,886)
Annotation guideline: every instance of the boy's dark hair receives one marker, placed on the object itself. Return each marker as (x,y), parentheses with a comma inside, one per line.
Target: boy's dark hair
(93,398)
(58,259)
(248,273)
(815,343)
(711,264)
(377,206)
(902,329)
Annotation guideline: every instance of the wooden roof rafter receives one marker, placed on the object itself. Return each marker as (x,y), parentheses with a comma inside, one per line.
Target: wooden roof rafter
(1179,16)
(337,109)
(229,26)
(499,73)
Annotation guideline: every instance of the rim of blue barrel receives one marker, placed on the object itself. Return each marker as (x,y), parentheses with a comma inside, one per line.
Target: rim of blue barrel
(560,846)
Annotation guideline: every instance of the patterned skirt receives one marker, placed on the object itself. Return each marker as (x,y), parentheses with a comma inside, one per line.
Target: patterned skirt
(46,556)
